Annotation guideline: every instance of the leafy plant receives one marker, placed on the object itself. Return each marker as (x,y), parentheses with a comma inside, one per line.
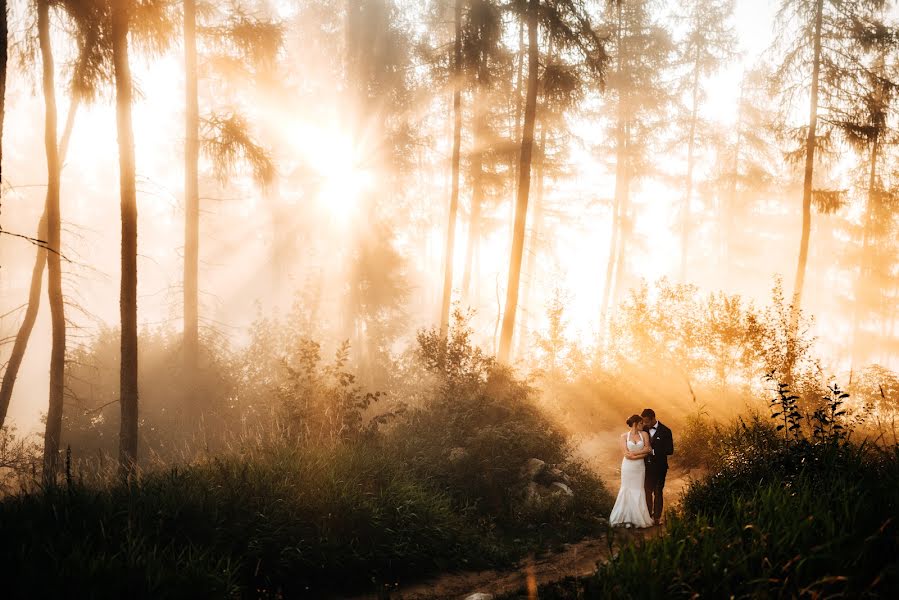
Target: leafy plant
(785,407)
(323,404)
(827,421)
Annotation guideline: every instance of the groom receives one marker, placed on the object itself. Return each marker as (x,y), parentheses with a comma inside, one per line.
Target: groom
(657,462)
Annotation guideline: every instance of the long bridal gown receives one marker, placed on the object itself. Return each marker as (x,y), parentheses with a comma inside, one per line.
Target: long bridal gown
(630,507)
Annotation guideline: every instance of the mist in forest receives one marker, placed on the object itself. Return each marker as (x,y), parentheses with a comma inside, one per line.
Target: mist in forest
(618,199)
(315,298)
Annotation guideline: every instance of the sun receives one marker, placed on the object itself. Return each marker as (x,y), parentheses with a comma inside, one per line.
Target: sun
(342,180)
(343,184)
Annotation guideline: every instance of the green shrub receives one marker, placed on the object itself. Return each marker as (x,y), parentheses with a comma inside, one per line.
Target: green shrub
(475,433)
(776,521)
(697,442)
(279,522)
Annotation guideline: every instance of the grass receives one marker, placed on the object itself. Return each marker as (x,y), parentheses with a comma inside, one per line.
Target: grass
(816,520)
(280,523)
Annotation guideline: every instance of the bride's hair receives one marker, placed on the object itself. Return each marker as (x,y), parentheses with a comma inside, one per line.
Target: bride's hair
(633,419)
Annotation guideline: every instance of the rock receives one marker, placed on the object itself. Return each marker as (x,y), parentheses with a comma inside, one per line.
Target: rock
(479,596)
(556,474)
(532,493)
(560,487)
(533,468)
(457,454)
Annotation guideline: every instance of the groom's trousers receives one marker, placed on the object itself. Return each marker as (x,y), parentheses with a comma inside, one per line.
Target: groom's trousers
(654,482)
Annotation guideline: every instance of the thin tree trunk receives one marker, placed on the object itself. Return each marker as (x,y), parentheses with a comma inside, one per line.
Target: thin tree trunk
(809,169)
(524,184)
(53,427)
(625,227)
(533,240)
(24,333)
(191,200)
(519,105)
(519,76)
(454,194)
(34,293)
(536,221)
(620,173)
(477,189)
(728,210)
(688,193)
(4,42)
(618,210)
(128,289)
(865,263)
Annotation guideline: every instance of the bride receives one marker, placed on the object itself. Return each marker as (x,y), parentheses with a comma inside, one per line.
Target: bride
(630,507)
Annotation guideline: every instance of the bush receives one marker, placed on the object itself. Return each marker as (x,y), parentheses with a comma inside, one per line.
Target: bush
(280,522)
(697,442)
(180,417)
(20,461)
(484,416)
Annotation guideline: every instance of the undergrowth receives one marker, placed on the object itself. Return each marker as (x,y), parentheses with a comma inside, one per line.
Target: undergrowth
(786,513)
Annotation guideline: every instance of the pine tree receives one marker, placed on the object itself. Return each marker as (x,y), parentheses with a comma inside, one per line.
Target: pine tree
(815,38)
(708,43)
(455,164)
(640,52)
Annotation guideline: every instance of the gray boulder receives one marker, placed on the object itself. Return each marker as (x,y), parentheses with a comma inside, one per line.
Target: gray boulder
(559,487)
(556,474)
(533,468)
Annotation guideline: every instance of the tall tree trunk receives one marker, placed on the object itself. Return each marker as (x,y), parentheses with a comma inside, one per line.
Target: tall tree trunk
(4,42)
(864,273)
(191,200)
(524,184)
(810,144)
(477,190)
(128,289)
(625,227)
(519,104)
(34,293)
(537,220)
(530,283)
(519,78)
(688,192)
(530,279)
(53,427)
(726,220)
(618,213)
(24,333)
(454,194)
(620,174)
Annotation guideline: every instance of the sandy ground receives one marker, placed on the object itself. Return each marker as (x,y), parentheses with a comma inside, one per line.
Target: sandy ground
(601,453)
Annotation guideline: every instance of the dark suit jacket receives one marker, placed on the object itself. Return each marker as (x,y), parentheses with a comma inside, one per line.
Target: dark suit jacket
(663,447)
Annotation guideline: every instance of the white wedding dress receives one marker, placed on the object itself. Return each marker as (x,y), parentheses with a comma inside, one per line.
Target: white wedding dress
(630,507)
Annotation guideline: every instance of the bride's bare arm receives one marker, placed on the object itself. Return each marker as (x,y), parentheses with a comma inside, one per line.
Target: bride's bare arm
(647,446)
(627,453)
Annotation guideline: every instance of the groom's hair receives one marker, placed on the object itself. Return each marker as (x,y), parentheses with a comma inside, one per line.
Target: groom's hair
(648,413)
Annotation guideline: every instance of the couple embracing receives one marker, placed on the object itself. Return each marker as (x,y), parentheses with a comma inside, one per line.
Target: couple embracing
(646,448)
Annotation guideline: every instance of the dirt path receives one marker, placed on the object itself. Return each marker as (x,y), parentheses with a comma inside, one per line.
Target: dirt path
(578,559)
